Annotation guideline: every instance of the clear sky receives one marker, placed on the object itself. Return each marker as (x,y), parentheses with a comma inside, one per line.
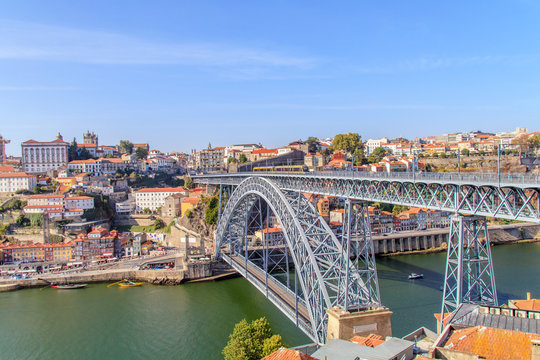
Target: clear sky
(180,74)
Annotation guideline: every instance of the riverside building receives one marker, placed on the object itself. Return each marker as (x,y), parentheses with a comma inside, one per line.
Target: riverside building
(40,157)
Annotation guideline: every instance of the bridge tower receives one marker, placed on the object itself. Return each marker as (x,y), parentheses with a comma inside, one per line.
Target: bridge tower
(469,276)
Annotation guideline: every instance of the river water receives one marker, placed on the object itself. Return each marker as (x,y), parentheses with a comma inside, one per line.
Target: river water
(193,321)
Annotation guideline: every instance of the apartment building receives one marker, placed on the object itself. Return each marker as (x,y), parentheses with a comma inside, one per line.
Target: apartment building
(14,181)
(154,198)
(211,159)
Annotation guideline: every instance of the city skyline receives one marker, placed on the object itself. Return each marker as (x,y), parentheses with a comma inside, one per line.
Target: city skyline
(181,75)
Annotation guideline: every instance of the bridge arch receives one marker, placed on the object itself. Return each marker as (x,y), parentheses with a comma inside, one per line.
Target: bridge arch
(326,275)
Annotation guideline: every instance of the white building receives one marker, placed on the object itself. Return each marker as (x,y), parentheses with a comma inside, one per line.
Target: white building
(46,200)
(14,181)
(125,207)
(153,198)
(371,144)
(40,157)
(79,202)
(39,209)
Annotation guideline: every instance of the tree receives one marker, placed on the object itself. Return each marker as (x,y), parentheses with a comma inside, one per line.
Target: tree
(465,152)
(242,158)
(398,209)
(125,146)
(359,157)
(72,151)
(349,142)
(188,183)
(534,142)
(141,153)
(83,154)
(376,155)
(443,155)
(383,206)
(159,224)
(314,145)
(231,160)
(251,341)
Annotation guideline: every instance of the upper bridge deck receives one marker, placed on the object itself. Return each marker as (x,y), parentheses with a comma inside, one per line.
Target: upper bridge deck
(508,195)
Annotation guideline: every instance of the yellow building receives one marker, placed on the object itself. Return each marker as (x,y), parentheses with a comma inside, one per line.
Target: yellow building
(188,204)
(61,251)
(67,181)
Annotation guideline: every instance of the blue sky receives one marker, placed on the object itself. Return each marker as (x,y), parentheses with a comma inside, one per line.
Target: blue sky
(181,74)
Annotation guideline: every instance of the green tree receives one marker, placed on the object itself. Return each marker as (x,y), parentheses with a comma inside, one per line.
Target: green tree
(188,182)
(383,206)
(376,155)
(159,224)
(83,154)
(242,158)
(36,189)
(72,151)
(125,146)
(465,152)
(359,157)
(314,145)
(251,341)
(349,142)
(231,160)
(398,209)
(141,153)
(443,155)
(534,142)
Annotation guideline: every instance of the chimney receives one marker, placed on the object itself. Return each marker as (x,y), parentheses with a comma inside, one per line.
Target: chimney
(528,296)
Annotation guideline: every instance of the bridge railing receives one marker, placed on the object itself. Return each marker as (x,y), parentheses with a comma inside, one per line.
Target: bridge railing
(459,178)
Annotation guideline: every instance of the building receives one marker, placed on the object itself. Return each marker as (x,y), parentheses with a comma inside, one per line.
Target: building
(372,144)
(90,139)
(97,244)
(3,155)
(37,252)
(154,198)
(172,207)
(211,159)
(14,181)
(274,236)
(79,202)
(188,204)
(314,161)
(40,157)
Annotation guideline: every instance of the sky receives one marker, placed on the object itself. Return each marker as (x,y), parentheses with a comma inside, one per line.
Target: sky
(182,74)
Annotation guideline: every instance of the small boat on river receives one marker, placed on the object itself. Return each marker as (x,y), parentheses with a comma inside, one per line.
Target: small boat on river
(415,276)
(126,283)
(69,286)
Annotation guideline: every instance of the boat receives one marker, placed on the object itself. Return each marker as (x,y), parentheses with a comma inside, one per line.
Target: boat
(69,286)
(415,276)
(126,283)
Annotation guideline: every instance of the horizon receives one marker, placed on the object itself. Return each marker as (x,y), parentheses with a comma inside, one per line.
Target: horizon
(181,75)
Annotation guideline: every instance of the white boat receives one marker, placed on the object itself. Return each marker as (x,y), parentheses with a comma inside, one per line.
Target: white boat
(415,276)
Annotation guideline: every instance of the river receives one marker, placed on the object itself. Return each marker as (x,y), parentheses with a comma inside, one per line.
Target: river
(193,321)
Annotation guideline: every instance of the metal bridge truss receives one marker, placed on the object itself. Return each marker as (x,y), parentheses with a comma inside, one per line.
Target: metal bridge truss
(469,276)
(324,276)
(508,201)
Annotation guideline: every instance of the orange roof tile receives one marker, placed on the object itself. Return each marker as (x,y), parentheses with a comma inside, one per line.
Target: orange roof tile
(531,304)
(492,343)
(15,174)
(372,340)
(191,200)
(169,189)
(288,354)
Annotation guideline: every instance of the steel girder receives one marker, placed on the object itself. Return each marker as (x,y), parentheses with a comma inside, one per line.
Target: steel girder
(469,276)
(508,201)
(321,266)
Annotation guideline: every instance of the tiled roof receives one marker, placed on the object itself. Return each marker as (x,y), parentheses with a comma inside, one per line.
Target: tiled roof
(492,343)
(15,174)
(191,200)
(46,196)
(532,304)
(372,340)
(78,198)
(170,189)
(288,354)
(6,168)
(42,206)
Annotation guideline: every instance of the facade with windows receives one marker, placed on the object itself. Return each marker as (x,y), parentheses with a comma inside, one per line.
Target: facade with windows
(40,157)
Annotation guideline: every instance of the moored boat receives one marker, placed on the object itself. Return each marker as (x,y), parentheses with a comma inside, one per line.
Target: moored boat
(69,286)
(415,276)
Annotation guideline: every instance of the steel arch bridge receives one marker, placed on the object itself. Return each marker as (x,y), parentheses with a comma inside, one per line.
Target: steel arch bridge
(324,277)
(324,274)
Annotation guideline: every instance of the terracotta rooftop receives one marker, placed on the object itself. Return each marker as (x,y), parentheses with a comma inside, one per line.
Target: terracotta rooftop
(492,343)
(531,304)
(14,174)
(288,354)
(372,340)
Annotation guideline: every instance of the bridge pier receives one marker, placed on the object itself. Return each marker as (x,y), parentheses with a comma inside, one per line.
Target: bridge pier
(469,276)
(344,324)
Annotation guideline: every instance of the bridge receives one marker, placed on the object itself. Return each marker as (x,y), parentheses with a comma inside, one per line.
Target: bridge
(339,269)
